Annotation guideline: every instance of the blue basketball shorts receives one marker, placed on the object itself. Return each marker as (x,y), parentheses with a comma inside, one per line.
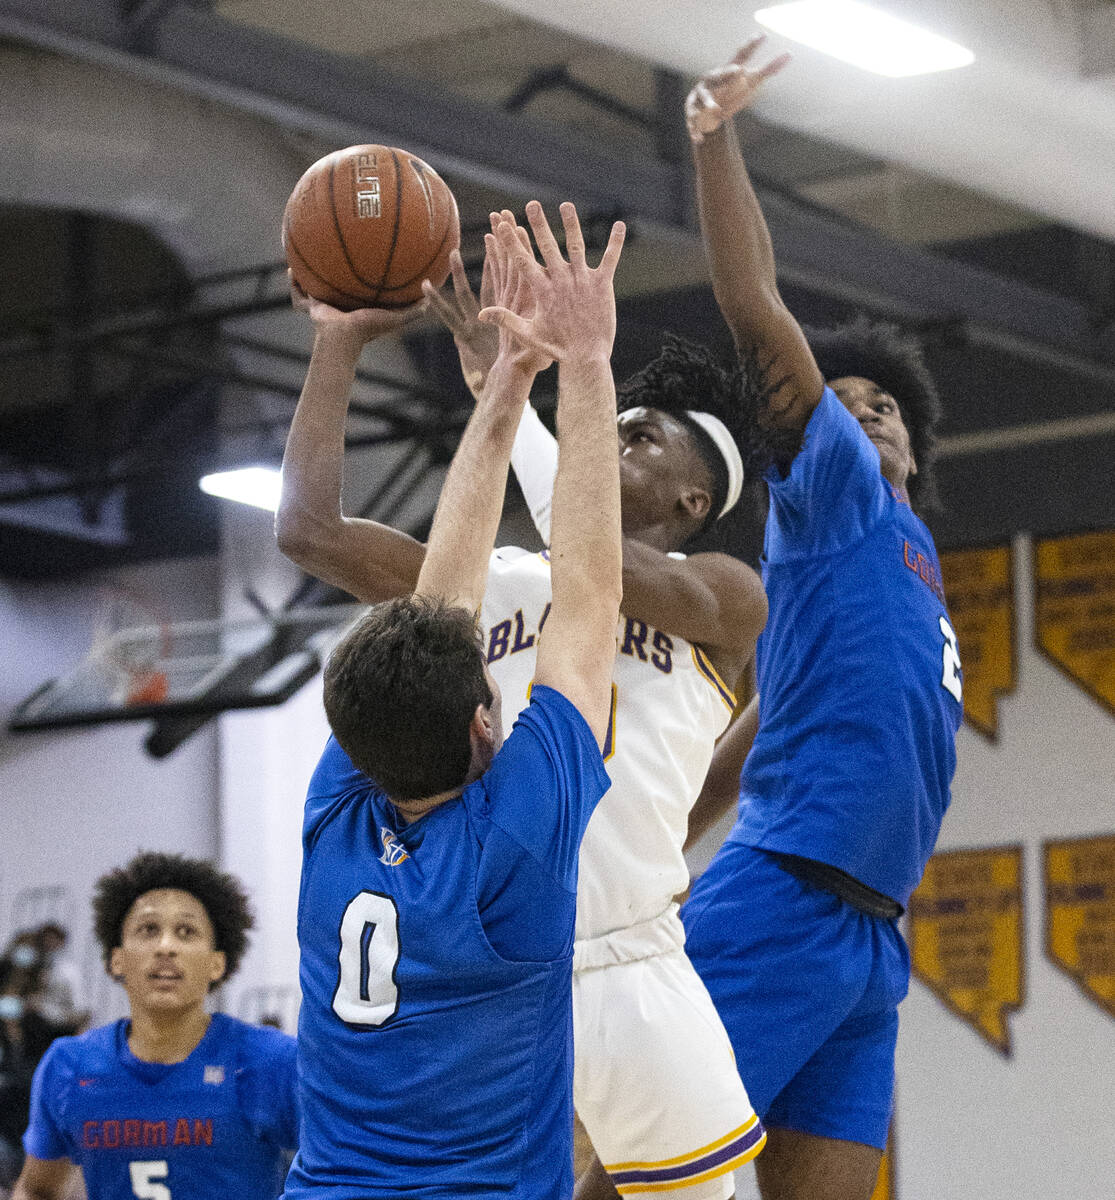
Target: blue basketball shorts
(808,989)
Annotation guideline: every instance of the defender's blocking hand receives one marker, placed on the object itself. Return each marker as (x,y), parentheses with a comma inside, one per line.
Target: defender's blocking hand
(724,91)
(574,309)
(477,344)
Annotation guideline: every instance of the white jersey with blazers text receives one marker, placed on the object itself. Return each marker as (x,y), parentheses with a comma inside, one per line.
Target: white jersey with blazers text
(669,706)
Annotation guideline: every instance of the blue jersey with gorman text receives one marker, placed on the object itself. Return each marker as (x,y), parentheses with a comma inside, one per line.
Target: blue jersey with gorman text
(435,1037)
(858,670)
(213,1125)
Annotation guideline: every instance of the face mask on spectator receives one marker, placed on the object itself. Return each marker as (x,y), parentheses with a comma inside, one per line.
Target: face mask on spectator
(23,956)
(11,1008)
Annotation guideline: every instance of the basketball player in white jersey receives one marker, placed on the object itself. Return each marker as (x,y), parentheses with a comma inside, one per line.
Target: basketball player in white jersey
(655,1082)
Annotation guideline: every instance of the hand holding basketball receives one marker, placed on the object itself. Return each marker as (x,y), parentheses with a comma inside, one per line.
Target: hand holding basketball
(366,225)
(360,325)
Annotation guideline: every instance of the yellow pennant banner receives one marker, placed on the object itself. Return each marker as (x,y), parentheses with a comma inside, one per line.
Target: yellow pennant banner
(978,587)
(884,1185)
(966,936)
(1080,914)
(1075,612)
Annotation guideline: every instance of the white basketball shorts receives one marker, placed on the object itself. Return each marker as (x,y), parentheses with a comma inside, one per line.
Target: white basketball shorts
(654,1080)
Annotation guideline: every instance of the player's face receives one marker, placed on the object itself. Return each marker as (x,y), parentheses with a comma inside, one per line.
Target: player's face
(166,957)
(658,465)
(880,418)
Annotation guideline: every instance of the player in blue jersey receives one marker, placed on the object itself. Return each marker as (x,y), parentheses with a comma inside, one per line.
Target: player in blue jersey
(173,1103)
(794,925)
(688,624)
(437,903)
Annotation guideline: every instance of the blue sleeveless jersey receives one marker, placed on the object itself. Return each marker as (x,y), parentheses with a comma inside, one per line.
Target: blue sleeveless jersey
(435,1037)
(858,670)
(213,1125)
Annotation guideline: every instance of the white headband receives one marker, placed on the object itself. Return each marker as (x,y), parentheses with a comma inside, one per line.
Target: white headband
(729,451)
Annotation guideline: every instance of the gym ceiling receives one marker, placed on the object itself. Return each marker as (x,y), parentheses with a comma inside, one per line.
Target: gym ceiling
(146,147)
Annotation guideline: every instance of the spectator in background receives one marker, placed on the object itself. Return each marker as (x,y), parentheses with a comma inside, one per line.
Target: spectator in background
(19,968)
(59,983)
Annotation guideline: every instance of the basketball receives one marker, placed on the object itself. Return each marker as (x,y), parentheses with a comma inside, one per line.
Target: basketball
(366,225)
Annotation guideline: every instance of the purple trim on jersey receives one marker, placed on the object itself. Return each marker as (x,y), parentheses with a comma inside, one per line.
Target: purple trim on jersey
(741,1145)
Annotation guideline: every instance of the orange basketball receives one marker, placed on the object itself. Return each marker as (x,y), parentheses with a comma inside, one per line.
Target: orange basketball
(364,226)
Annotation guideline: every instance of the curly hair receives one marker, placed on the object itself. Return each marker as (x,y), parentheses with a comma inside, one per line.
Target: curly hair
(400,691)
(221,895)
(894,360)
(687,376)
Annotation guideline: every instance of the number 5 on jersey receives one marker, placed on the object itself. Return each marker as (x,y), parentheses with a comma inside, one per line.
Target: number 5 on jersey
(144,1175)
(366,992)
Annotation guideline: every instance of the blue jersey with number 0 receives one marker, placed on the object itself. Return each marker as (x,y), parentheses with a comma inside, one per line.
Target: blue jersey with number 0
(213,1125)
(858,670)
(435,1037)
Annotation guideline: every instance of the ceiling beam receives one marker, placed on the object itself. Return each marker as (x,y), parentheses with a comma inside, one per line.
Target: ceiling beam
(348,99)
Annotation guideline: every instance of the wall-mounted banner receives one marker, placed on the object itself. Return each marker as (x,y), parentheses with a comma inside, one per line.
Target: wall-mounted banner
(1074,583)
(980,594)
(1080,914)
(884,1185)
(965,936)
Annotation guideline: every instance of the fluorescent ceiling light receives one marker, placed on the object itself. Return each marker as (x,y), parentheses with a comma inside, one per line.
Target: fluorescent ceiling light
(259,486)
(865,37)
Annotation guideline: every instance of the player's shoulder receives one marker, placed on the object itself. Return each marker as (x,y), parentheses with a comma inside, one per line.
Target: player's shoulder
(335,783)
(255,1041)
(94,1052)
(335,772)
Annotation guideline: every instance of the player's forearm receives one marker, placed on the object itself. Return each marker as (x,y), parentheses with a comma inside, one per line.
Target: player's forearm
(313,462)
(737,241)
(741,261)
(471,502)
(585,546)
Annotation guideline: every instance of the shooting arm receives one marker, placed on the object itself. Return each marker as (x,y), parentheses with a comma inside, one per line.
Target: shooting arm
(371,561)
(720,790)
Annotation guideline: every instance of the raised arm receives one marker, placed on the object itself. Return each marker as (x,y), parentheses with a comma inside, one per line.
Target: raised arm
(468,511)
(371,561)
(738,244)
(534,453)
(574,324)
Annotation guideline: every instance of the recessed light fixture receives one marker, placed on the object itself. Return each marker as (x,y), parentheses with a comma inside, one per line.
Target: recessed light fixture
(865,37)
(258,486)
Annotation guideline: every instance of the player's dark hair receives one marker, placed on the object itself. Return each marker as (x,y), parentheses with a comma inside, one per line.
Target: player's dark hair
(220,894)
(893,360)
(687,376)
(400,691)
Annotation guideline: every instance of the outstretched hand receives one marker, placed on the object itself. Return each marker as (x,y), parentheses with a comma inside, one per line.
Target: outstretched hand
(724,91)
(563,309)
(477,344)
(361,325)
